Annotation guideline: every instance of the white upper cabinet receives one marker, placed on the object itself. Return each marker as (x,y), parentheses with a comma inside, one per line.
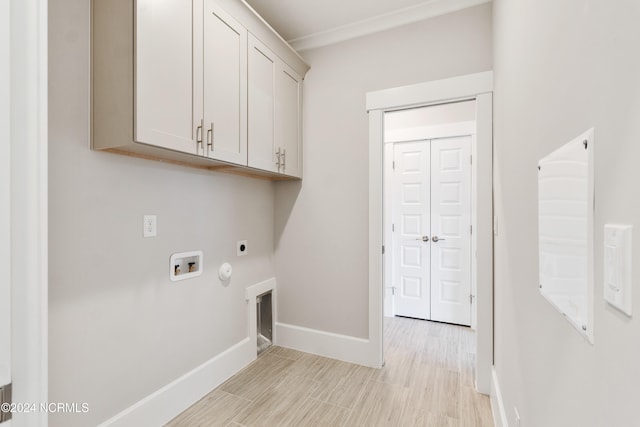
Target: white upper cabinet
(262,78)
(274,112)
(224,86)
(164,75)
(288,120)
(182,81)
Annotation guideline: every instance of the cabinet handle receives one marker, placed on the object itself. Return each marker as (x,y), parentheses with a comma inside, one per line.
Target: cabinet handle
(284,160)
(210,137)
(199,133)
(278,154)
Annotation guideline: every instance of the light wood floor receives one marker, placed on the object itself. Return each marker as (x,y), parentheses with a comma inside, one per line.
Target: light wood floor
(427,381)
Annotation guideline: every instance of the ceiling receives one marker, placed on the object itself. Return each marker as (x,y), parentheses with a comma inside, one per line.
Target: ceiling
(311,23)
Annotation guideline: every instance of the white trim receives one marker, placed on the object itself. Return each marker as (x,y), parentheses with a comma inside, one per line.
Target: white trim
(29,203)
(327,344)
(376,237)
(420,133)
(475,86)
(387,21)
(433,92)
(389,309)
(483,230)
(162,406)
(5,195)
(497,404)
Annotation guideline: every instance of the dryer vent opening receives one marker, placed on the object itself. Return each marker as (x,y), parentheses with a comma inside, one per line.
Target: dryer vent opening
(265,321)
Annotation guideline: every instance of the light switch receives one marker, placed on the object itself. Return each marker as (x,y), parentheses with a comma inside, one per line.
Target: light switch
(617,266)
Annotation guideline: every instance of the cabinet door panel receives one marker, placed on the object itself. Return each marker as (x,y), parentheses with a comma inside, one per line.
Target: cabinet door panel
(164,74)
(225,86)
(261,91)
(288,120)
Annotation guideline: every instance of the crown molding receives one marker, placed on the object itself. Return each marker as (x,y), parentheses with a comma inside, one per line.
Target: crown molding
(426,10)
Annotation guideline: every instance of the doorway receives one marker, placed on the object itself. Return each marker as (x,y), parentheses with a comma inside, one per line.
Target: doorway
(478,87)
(430,257)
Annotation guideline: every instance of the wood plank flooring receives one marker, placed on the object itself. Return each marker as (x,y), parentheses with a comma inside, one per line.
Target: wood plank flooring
(427,381)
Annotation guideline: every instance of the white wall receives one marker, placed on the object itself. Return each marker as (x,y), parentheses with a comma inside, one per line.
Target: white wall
(322,223)
(560,68)
(119,329)
(432,115)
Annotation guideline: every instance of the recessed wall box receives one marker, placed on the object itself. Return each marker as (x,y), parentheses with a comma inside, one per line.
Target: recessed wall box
(185,265)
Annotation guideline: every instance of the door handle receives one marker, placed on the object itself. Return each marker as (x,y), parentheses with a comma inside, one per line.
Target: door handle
(436,239)
(423,238)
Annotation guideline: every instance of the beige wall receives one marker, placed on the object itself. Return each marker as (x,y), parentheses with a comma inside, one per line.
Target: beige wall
(561,68)
(322,223)
(118,328)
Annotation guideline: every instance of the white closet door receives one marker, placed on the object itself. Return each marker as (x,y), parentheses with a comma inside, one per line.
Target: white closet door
(225,86)
(411,201)
(164,74)
(451,230)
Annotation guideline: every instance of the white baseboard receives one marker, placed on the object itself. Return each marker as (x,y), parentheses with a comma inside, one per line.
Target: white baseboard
(497,405)
(160,407)
(327,344)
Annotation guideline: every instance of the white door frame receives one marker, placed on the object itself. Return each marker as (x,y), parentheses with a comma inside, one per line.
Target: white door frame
(5,197)
(27,118)
(474,86)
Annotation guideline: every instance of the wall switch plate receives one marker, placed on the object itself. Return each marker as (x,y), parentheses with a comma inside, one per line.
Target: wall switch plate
(149,226)
(617,266)
(242,247)
(185,265)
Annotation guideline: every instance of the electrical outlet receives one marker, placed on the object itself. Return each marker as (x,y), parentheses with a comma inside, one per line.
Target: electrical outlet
(243,248)
(149,226)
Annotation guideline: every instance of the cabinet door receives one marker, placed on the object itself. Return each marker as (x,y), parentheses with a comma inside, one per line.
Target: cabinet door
(224,86)
(288,120)
(261,90)
(164,75)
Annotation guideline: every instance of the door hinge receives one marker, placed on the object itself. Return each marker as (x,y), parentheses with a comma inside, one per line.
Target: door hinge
(393,228)
(393,290)
(471,229)
(471,159)
(393,165)
(5,401)
(470,299)
(382,249)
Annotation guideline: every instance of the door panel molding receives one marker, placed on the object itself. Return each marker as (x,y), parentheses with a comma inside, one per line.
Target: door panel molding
(451,221)
(411,206)
(431,196)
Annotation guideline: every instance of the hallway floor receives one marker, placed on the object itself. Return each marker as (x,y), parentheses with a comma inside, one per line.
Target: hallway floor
(427,381)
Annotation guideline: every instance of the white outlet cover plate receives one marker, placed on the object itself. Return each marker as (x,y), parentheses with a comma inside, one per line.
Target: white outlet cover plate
(149,226)
(239,246)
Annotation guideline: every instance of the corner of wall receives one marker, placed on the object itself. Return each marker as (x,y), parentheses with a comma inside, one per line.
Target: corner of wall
(497,404)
